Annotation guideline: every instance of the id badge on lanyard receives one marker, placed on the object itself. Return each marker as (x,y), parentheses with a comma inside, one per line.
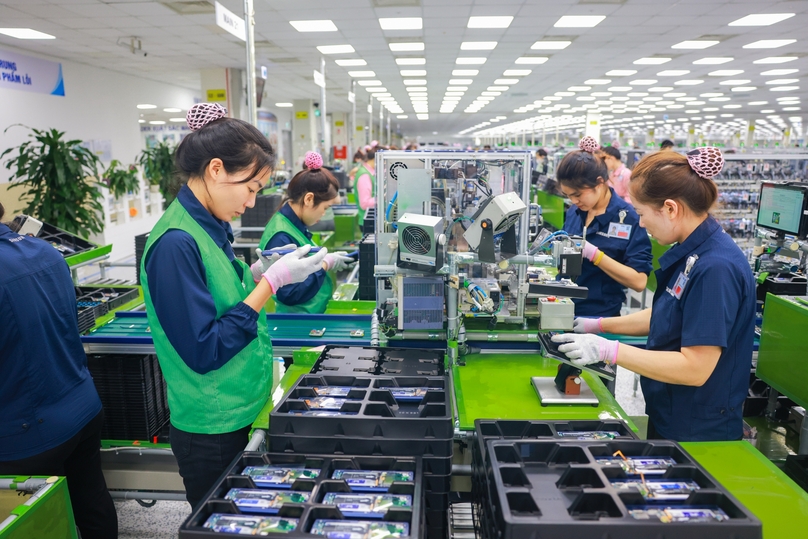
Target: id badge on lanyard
(681,281)
(619,230)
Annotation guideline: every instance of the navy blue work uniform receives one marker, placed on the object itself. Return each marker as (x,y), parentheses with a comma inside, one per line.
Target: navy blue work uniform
(631,248)
(712,305)
(297,293)
(52,418)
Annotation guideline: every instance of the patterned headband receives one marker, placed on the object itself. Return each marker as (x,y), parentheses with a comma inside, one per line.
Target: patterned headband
(707,162)
(202,114)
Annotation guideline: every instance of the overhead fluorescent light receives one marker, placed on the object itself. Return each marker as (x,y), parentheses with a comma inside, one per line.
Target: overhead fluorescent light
(465,72)
(597,82)
(725,72)
(779,72)
(284,105)
(335,49)
(410,61)
(314,26)
(713,60)
(413,72)
(758,103)
(534,60)
(176,120)
(780,82)
(784,88)
(550,45)
(25,33)
(350,62)
(402,23)
(688,82)
(470,61)
(490,22)
(157,122)
(478,45)
(652,61)
(402,116)
(769,43)
(673,73)
(374,89)
(579,21)
(579,88)
(643,82)
(145,106)
(360,74)
(516,72)
(422,116)
(414,82)
(775,60)
(506,81)
(369,82)
(453,82)
(744,88)
(621,72)
(694,44)
(172,109)
(620,88)
(734,82)
(407,47)
(761,19)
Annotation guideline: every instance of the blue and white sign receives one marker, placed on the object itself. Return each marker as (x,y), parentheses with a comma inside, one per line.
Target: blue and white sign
(29,74)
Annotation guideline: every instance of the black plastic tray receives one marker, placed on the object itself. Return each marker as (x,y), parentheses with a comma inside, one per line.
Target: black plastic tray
(797,469)
(555,489)
(356,360)
(377,414)
(214,501)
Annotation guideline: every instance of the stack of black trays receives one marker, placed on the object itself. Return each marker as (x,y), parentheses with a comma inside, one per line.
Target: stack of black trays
(133,393)
(368,224)
(65,242)
(140,246)
(260,214)
(526,483)
(93,302)
(367,261)
(296,520)
(372,421)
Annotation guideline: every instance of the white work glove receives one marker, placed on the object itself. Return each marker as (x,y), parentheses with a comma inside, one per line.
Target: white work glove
(587,325)
(294,267)
(263,263)
(337,261)
(587,348)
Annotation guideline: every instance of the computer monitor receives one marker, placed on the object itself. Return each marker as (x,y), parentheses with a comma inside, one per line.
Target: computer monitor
(784,208)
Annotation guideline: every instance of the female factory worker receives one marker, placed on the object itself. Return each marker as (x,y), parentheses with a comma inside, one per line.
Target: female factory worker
(616,248)
(52,417)
(205,307)
(695,370)
(365,183)
(310,193)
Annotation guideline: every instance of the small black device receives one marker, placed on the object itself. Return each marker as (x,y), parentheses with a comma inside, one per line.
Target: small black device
(550,349)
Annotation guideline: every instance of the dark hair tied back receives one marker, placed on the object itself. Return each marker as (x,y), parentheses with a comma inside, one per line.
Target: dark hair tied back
(582,170)
(319,182)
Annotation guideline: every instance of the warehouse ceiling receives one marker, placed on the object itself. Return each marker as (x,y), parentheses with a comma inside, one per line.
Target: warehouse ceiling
(643,59)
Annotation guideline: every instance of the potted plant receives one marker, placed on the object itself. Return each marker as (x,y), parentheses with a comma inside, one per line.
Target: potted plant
(158,168)
(60,180)
(121,180)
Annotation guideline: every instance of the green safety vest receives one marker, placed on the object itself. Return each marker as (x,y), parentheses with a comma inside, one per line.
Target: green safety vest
(317,304)
(359,173)
(228,398)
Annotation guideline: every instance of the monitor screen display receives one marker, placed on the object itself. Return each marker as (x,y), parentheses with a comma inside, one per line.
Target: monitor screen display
(781,207)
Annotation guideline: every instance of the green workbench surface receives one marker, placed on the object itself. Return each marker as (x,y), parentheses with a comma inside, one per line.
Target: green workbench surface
(350,307)
(779,503)
(92,254)
(50,515)
(497,386)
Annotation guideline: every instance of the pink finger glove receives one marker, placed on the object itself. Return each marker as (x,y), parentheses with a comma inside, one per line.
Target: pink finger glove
(590,251)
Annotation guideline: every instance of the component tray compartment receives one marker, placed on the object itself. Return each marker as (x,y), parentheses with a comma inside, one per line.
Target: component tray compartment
(307,513)
(376,414)
(555,489)
(382,361)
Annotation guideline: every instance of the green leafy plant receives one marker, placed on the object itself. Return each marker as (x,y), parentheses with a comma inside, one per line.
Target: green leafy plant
(60,181)
(121,180)
(158,168)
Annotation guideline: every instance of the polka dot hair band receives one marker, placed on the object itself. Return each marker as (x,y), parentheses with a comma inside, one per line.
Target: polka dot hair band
(589,144)
(707,162)
(313,161)
(202,114)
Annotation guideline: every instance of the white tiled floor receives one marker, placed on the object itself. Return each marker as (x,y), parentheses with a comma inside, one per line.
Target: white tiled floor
(159,522)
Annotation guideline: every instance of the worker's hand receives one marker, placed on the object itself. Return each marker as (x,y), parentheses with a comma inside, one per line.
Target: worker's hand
(263,263)
(587,325)
(337,261)
(586,349)
(294,267)
(590,251)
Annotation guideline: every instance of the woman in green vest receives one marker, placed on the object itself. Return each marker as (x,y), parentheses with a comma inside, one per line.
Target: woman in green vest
(205,306)
(310,193)
(364,183)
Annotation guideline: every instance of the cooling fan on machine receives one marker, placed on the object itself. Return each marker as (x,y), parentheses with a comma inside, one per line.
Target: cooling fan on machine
(496,216)
(420,242)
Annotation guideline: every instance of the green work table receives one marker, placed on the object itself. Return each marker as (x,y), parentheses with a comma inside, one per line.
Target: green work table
(303,362)
(497,386)
(779,503)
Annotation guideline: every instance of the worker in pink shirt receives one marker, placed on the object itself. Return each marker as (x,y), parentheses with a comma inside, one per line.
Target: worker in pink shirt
(619,174)
(365,183)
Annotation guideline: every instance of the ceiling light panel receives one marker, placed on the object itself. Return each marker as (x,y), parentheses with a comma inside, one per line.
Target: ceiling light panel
(361,74)
(532,60)
(761,19)
(516,72)
(351,62)
(713,60)
(775,60)
(25,33)
(413,72)
(490,22)
(369,82)
(375,89)
(652,61)
(402,23)
(779,82)
(769,43)
(454,82)
(688,82)
(410,61)
(695,44)
(734,82)
(779,72)
(673,73)
(550,45)
(478,45)
(336,49)
(411,82)
(314,26)
(579,21)
(413,46)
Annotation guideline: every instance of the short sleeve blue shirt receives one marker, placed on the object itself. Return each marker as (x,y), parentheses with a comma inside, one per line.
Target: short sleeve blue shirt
(605,294)
(715,307)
